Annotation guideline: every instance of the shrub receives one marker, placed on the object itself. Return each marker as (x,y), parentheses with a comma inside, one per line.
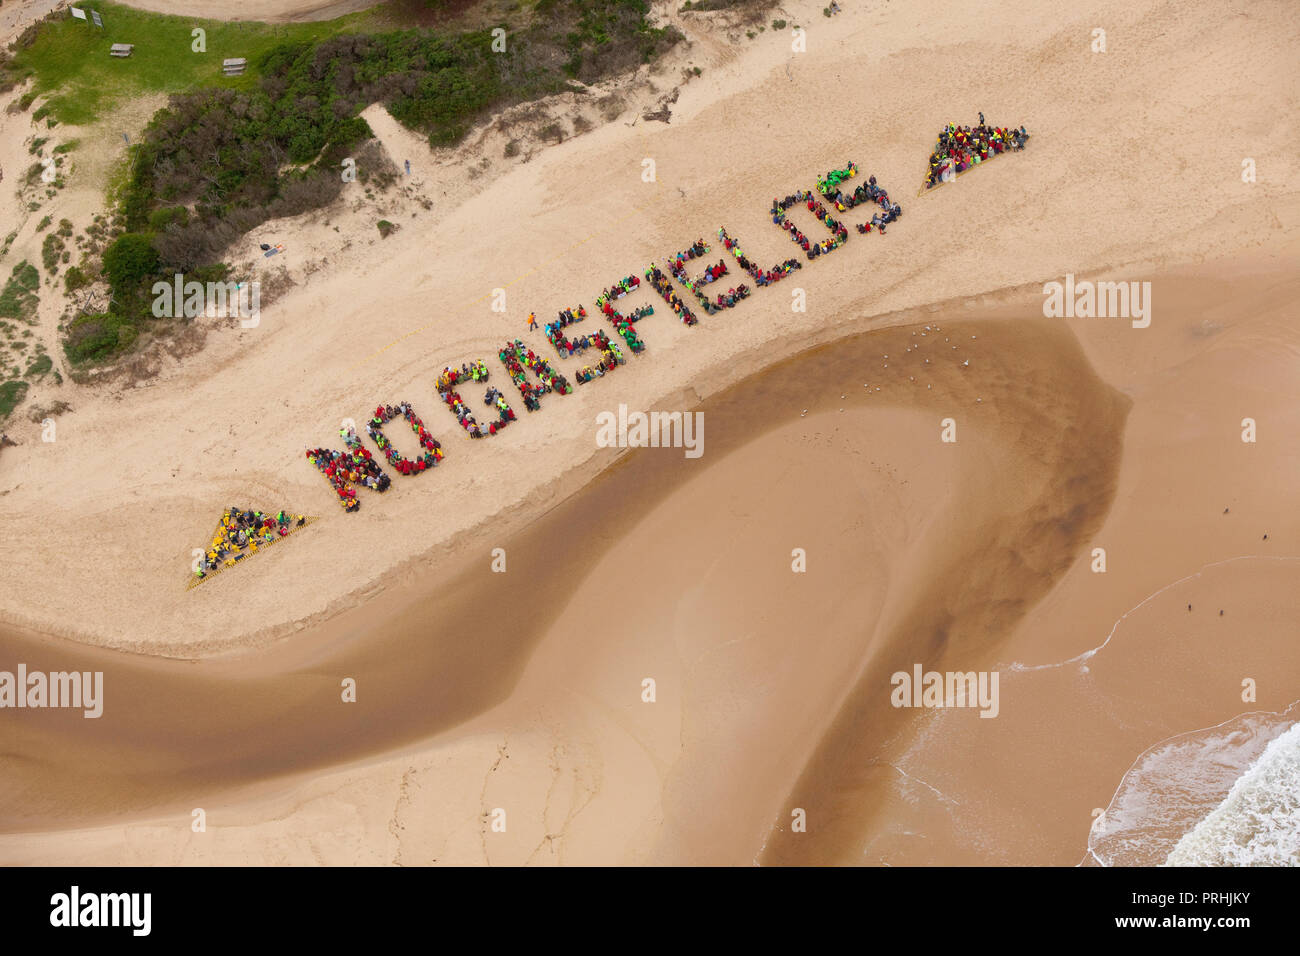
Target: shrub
(160,219)
(11,396)
(75,278)
(18,299)
(128,261)
(94,338)
(50,250)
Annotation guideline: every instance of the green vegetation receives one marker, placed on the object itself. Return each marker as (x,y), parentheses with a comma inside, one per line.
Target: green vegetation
(229,153)
(51,250)
(40,366)
(18,299)
(93,338)
(18,302)
(75,278)
(70,62)
(128,261)
(704,6)
(11,394)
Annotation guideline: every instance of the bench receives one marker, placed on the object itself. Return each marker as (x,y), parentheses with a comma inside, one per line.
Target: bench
(234,66)
(121,49)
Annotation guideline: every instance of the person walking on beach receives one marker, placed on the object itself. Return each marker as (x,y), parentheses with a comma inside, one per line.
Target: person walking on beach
(408,167)
(532,321)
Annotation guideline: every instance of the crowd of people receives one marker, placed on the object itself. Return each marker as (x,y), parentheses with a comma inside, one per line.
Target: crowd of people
(960,148)
(724,300)
(345,470)
(623,325)
(760,276)
(492,398)
(518,360)
(832,180)
(839,235)
(664,287)
(555,333)
(677,266)
(242,533)
(868,192)
(432,453)
(610,358)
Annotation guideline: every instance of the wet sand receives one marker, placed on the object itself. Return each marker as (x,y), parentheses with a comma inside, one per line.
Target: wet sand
(431,655)
(965,556)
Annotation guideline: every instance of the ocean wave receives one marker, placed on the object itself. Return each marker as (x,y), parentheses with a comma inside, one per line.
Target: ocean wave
(1258,822)
(1180,783)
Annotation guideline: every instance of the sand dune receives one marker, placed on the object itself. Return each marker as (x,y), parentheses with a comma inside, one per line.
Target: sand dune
(522,691)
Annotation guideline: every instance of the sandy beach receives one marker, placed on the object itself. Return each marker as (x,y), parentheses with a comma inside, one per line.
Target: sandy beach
(523,691)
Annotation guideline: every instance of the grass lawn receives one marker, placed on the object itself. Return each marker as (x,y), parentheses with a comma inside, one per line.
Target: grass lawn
(70,59)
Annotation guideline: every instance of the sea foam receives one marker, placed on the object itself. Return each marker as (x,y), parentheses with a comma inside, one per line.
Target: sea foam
(1177,784)
(1258,822)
